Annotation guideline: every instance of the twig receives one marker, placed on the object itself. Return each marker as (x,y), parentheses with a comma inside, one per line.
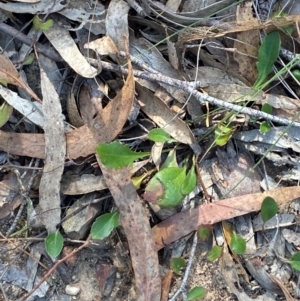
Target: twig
(182,288)
(53,269)
(47,51)
(202,98)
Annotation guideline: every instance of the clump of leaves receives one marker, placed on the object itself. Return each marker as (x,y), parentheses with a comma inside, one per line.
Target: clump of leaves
(171,184)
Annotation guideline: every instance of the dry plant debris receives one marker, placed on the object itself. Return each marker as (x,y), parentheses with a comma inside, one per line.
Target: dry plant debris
(76,74)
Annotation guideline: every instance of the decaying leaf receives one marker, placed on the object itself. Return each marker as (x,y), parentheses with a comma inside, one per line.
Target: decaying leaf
(134,221)
(162,115)
(55,151)
(9,73)
(61,39)
(185,222)
(247,44)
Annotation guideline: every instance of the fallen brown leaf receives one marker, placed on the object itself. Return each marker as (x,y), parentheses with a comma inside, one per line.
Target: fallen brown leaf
(134,220)
(166,284)
(185,222)
(9,73)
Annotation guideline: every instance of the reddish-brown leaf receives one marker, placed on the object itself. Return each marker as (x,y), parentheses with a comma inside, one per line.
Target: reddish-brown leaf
(185,222)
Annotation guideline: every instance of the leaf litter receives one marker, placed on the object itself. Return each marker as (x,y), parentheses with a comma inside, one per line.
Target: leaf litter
(42,131)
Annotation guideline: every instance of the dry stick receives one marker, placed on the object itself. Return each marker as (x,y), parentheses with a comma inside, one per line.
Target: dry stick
(47,51)
(54,268)
(202,98)
(182,288)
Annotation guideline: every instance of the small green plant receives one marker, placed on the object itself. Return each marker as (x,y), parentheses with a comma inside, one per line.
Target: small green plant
(38,24)
(269,208)
(116,155)
(295,261)
(104,225)
(54,243)
(214,253)
(195,293)
(177,265)
(237,244)
(204,232)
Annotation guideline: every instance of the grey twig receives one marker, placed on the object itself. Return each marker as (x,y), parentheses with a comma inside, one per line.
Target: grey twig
(47,51)
(202,98)
(182,288)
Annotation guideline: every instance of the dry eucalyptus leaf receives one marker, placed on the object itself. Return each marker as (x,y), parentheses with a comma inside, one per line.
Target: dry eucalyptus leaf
(247,44)
(161,114)
(9,73)
(74,184)
(73,113)
(62,41)
(41,7)
(55,151)
(103,46)
(185,222)
(117,23)
(135,223)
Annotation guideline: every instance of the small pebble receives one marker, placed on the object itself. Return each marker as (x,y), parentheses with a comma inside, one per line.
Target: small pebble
(72,290)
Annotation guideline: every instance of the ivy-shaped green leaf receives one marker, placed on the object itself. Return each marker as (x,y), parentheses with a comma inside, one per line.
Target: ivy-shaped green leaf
(237,244)
(269,208)
(267,55)
(195,293)
(214,253)
(104,225)
(177,265)
(54,243)
(159,135)
(116,155)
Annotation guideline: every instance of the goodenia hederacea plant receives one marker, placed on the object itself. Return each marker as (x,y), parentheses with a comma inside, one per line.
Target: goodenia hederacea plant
(267,55)
(170,185)
(116,155)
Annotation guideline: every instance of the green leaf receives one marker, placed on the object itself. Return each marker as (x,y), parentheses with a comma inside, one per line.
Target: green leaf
(170,161)
(266,108)
(267,55)
(296,73)
(190,182)
(214,253)
(46,25)
(54,243)
(237,244)
(159,135)
(38,24)
(29,59)
(295,261)
(223,134)
(165,187)
(269,208)
(265,127)
(195,293)
(5,112)
(177,265)
(116,155)
(204,232)
(104,225)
